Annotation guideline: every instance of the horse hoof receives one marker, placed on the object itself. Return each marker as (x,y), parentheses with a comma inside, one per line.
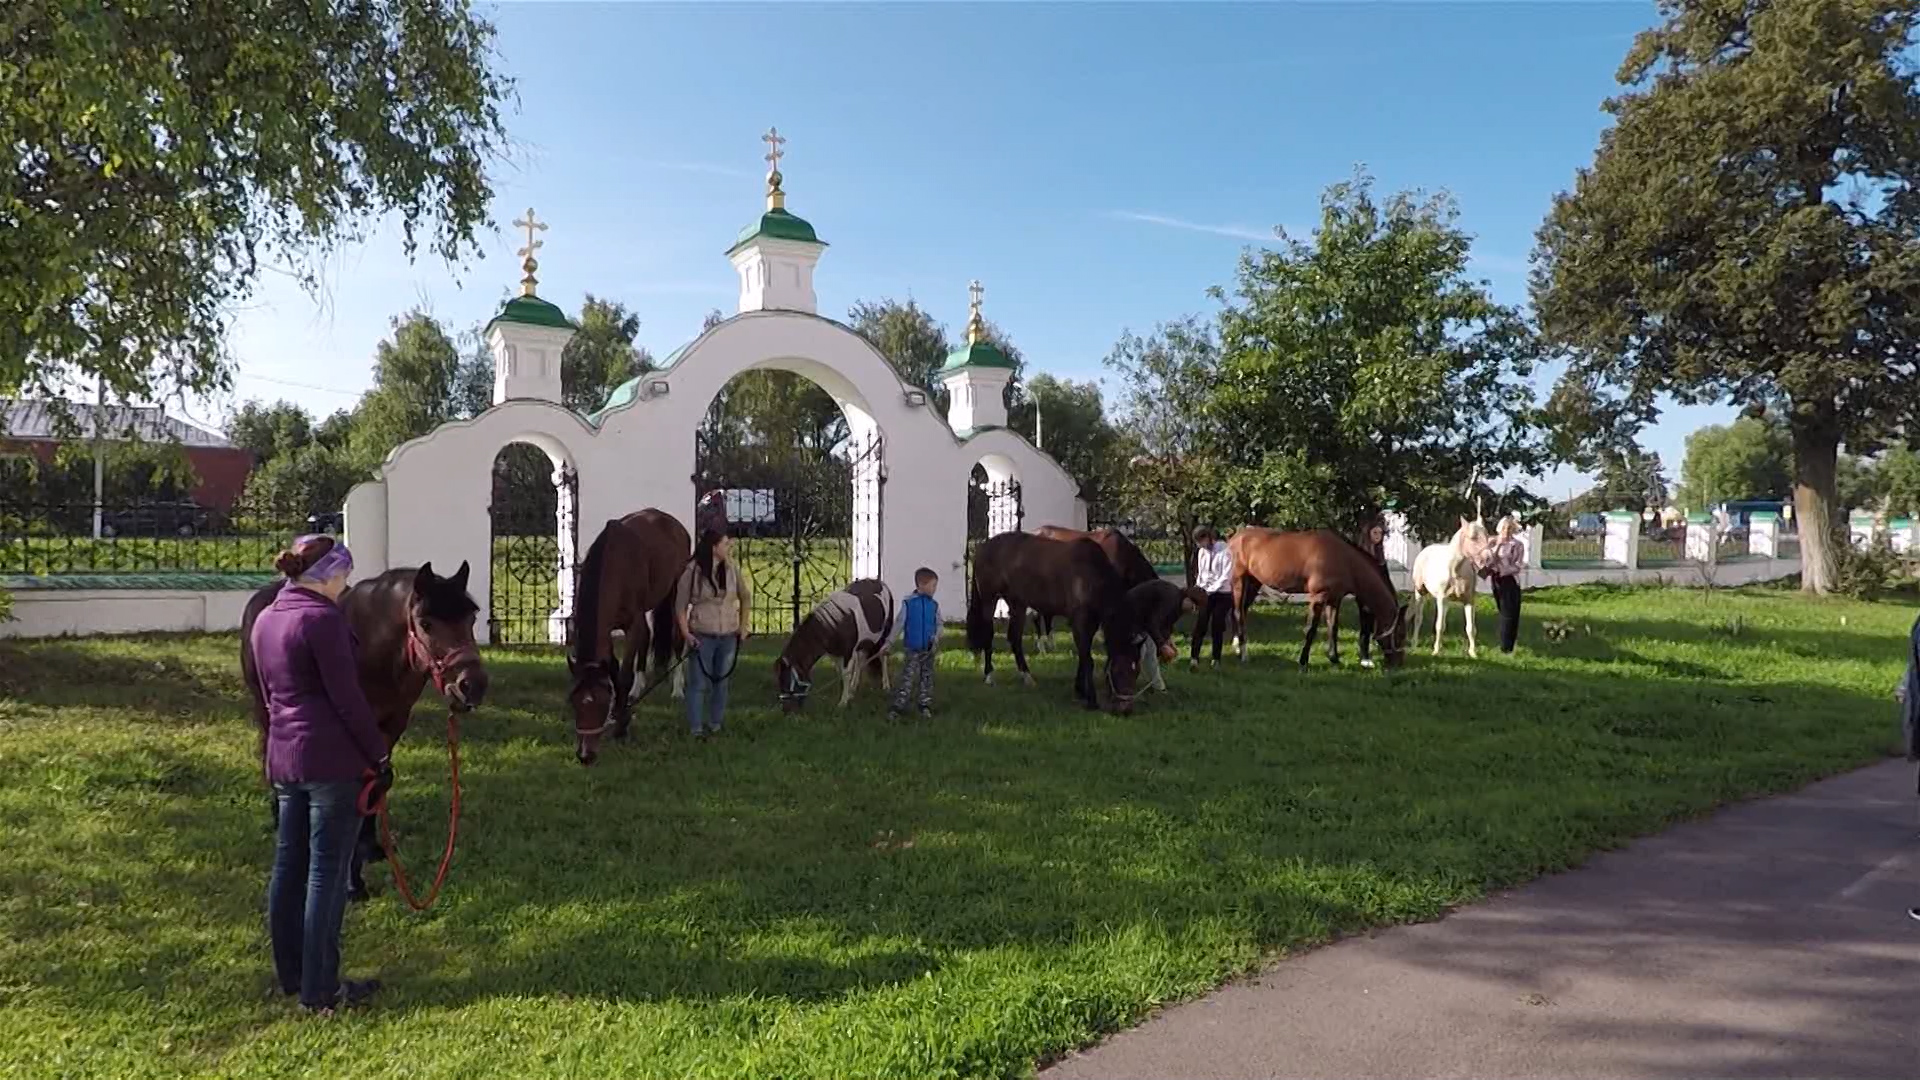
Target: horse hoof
(1026,679)
(989,680)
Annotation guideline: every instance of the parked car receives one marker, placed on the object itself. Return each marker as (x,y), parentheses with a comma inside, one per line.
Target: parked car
(1587,525)
(155,519)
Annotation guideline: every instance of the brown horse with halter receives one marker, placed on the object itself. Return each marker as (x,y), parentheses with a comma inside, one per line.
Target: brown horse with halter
(1326,567)
(626,582)
(410,628)
(1071,577)
(1126,557)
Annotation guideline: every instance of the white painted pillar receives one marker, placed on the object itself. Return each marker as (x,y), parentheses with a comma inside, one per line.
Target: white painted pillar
(364,529)
(566,529)
(1763,534)
(1702,540)
(1621,543)
(1535,539)
(1402,545)
(1860,528)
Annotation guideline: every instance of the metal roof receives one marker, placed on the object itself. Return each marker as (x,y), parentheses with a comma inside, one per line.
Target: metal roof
(34,420)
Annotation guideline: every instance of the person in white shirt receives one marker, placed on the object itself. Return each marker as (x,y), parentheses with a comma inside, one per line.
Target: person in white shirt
(1213,575)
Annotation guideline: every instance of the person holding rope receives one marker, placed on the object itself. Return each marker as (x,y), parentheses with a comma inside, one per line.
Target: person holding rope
(321,741)
(714,606)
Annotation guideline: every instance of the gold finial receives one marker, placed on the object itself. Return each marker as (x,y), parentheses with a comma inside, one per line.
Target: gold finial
(528,263)
(776,199)
(976,323)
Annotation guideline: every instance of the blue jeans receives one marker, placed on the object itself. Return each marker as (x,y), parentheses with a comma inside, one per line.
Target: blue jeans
(307,895)
(712,670)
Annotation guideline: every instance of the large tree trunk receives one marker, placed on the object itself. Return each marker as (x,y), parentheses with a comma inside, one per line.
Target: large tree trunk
(1816,455)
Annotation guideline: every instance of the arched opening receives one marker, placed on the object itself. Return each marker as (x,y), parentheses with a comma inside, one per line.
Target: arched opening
(535,544)
(993,503)
(795,474)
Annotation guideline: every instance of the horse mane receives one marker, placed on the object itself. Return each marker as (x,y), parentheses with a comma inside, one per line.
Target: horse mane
(1371,559)
(586,599)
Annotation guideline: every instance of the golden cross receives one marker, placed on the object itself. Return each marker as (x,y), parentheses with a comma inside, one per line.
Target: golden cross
(774,141)
(532,225)
(976,324)
(974,293)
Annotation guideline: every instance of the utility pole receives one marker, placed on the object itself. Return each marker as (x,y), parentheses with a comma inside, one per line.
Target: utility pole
(99,463)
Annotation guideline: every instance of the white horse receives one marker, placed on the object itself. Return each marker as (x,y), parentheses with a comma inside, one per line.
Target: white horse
(1448,572)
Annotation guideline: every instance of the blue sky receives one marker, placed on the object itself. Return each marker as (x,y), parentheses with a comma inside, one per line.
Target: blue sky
(1096,166)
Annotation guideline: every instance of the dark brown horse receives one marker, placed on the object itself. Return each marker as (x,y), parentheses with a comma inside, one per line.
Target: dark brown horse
(410,628)
(1071,577)
(626,581)
(1159,605)
(1127,558)
(1326,567)
(854,626)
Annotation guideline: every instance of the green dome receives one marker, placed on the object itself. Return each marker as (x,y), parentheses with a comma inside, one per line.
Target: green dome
(980,354)
(779,225)
(532,311)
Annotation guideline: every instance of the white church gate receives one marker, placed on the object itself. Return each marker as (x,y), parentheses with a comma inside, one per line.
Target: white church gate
(805,519)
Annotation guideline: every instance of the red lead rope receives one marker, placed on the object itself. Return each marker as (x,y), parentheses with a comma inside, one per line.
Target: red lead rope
(453,828)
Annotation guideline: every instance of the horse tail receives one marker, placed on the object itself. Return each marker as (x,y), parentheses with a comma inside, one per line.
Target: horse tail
(979,618)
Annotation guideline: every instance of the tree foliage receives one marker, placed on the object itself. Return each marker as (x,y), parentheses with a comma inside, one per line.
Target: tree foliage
(1365,369)
(1166,431)
(415,386)
(1751,458)
(1631,479)
(917,345)
(1073,430)
(164,152)
(602,354)
(1750,230)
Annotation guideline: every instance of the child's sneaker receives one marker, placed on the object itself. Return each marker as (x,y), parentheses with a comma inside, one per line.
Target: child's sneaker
(926,713)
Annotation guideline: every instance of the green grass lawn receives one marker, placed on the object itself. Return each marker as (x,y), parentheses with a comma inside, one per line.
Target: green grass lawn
(829,895)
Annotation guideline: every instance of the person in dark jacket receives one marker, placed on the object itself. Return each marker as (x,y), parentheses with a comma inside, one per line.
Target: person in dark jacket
(321,743)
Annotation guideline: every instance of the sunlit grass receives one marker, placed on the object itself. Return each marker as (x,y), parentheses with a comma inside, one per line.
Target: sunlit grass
(829,895)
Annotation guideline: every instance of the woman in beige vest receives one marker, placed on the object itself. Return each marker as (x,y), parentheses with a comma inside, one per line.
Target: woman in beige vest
(715,609)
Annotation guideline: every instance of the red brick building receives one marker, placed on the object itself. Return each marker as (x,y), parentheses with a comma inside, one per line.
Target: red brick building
(221,469)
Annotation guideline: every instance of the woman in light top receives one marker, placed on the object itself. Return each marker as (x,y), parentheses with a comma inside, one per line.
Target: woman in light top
(1502,562)
(715,609)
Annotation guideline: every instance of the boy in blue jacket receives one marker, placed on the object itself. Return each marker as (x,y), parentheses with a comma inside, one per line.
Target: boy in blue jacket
(920,633)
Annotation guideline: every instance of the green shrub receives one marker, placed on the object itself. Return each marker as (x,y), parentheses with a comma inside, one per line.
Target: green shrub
(1865,573)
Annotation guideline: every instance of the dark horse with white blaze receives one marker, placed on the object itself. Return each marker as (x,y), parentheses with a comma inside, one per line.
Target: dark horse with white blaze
(853,626)
(1132,564)
(1326,567)
(1071,577)
(410,628)
(627,582)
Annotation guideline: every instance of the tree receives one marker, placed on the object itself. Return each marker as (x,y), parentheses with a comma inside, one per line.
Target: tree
(910,339)
(601,355)
(1367,370)
(1073,429)
(1750,230)
(1898,483)
(1859,481)
(311,480)
(163,152)
(1748,459)
(1166,436)
(414,388)
(270,431)
(1630,480)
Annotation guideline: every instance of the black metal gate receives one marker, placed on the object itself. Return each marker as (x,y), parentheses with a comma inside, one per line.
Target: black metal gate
(992,508)
(535,551)
(804,521)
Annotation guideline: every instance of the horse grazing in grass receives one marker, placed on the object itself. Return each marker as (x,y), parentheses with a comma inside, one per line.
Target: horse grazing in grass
(854,626)
(410,628)
(627,583)
(1126,556)
(1326,567)
(1071,577)
(1159,606)
(1445,572)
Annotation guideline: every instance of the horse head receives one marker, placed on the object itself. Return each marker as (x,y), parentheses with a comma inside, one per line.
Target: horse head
(591,698)
(440,620)
(792,682)
(1124,639)
(1392,638)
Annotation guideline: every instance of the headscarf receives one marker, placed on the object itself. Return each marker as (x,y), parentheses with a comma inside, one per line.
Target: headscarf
(336,562)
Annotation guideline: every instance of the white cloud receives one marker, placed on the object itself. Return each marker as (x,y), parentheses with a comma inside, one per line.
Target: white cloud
(1239,232)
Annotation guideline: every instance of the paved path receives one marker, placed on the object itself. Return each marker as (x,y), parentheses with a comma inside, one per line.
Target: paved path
(1771,940)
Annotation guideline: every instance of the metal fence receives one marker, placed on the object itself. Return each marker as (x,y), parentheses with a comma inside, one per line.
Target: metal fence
(58,538)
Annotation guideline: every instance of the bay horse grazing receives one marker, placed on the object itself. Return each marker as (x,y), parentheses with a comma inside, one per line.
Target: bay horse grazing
(410,627)
(1134,566)
(627,583)
(1324,566)
(1445,572)
(1071,577)
(855,627)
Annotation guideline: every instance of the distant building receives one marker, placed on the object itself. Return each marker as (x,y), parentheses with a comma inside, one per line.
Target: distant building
(33,428)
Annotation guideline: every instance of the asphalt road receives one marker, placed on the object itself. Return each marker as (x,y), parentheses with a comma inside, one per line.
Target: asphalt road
(1770,940)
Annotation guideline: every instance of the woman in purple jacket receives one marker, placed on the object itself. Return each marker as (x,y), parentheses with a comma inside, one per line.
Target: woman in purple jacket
(321,740)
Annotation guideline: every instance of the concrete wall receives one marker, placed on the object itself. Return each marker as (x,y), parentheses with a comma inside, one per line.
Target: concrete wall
(434,491)
(41,613)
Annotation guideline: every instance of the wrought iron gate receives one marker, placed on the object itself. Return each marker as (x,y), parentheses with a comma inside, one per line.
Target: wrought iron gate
(992,508)
(804,521)
(534,556)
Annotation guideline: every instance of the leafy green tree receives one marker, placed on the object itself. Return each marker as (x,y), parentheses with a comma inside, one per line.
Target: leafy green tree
(414,388)
(1859,481)
(1750,230)
(311,480)
(917,346)
(1748,459)
(1165,433)
(163,152)
(1897,482)
(1367,369)
(602,354)
(270,431)
(1630,480)
(1072,427)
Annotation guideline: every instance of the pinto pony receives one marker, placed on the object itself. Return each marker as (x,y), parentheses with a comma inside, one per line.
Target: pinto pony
(410,628)
(627,582)
(1127,558)
(1071,577)
(854,626)
(1326,567)
(1449,572)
